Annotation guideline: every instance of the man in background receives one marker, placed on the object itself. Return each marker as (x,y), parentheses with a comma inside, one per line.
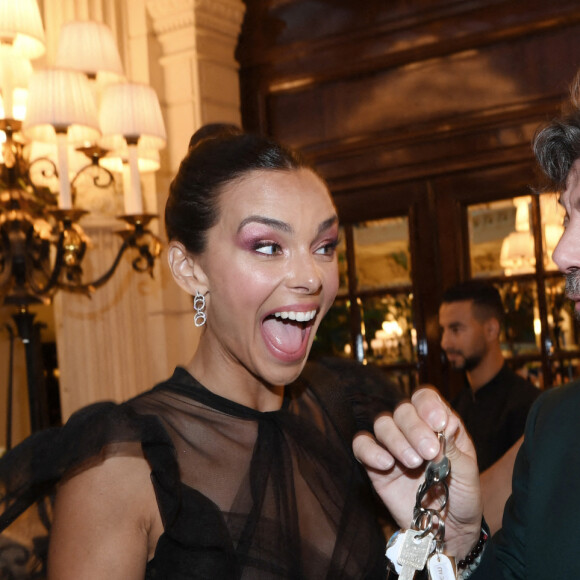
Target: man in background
(495,401)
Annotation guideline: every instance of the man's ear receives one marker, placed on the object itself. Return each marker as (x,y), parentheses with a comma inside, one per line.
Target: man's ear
(186,269)
(492,329)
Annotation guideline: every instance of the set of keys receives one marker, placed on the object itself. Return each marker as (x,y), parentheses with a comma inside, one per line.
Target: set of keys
(421,546)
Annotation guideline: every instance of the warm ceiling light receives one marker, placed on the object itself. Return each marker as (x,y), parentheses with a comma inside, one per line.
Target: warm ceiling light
(89,47)
(60,100)
(130,112)
(21,27)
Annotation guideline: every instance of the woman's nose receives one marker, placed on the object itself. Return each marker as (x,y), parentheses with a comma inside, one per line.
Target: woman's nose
(305,274)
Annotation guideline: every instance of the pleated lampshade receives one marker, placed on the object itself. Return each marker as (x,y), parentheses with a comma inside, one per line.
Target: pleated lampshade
(131,112)
(61,100)
(89,47)
(21,26)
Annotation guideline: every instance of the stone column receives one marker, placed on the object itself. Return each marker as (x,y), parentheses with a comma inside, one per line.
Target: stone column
(135,330)
(196,75)
(197,41)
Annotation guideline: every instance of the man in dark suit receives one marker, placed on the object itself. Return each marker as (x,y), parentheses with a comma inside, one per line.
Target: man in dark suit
(540,528)
(538,539)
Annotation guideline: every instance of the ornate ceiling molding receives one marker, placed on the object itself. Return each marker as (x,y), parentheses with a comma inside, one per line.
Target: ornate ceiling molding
(173,15)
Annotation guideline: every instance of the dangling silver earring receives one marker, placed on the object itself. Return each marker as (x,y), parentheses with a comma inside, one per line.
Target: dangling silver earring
(199,307)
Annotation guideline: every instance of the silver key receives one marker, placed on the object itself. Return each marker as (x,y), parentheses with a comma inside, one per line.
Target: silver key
(414,552)
(441,567)
(393,548)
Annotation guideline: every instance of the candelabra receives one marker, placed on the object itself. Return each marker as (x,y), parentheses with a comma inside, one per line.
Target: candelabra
(84,105)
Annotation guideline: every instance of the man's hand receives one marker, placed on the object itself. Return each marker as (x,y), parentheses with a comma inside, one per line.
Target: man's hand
(395,461)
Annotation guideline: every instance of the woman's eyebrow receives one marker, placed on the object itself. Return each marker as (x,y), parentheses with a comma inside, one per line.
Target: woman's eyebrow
(326,224)
(283,226)
(274,223)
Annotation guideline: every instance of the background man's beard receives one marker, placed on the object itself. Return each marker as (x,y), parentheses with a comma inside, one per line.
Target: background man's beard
(471,362)
(466,363)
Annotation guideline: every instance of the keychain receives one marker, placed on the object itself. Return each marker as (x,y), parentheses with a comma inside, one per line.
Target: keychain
(420,546)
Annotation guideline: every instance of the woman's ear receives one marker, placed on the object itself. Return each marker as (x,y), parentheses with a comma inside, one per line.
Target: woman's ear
(185,269)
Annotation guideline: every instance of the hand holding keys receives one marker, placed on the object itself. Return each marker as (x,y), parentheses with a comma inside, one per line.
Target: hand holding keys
(421,545)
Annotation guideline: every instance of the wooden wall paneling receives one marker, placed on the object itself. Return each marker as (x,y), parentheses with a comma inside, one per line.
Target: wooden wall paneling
(426,281)
(427,111)
(386,200)
(365,129)
(296,38)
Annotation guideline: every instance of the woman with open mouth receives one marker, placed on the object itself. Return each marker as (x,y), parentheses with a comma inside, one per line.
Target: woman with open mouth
(236,466)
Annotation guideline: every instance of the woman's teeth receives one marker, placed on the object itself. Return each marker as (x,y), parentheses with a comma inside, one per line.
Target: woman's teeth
(298,316)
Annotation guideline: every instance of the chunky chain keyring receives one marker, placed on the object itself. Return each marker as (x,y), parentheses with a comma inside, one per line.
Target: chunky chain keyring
(422,544)
(435,484)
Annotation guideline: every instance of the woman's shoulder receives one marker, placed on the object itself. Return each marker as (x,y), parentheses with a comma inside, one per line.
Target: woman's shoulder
(108,507)
(92,434)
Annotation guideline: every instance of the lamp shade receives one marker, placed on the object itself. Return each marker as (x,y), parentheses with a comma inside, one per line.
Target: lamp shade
(517,253)
(60,101)
(131,112)
(89,47)
(21,26)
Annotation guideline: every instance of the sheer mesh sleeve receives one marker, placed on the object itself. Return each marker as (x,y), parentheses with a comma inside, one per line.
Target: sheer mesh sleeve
(30,472)
(242,494)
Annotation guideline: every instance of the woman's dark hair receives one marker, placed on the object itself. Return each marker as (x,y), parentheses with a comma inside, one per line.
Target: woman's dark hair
(218,154)
(557,145)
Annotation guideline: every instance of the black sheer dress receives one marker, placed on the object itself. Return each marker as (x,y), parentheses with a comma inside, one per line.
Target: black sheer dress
(242,494)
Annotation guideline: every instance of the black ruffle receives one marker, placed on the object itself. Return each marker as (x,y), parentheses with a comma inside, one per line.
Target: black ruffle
(242,494)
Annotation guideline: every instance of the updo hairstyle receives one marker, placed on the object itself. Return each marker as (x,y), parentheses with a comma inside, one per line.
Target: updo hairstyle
(218,154)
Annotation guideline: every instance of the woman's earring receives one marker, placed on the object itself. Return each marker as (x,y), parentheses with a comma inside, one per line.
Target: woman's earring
(199,307)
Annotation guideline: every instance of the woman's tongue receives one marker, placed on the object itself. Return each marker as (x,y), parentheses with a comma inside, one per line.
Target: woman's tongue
(285,335)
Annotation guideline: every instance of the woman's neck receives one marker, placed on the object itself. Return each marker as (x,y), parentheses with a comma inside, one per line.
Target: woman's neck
(232,381)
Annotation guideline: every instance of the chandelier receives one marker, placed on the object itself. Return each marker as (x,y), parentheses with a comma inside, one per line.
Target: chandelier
(517,254)
(59,125)
(82,105)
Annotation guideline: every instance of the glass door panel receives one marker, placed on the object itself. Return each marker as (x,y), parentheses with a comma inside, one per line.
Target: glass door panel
(521,328)
(390,335)
(333,336)
(382,253)
(501,241)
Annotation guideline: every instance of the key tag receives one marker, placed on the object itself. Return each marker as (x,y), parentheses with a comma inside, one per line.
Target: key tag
(441,567)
